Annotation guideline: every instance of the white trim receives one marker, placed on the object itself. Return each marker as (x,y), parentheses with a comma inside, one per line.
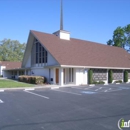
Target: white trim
(74,66)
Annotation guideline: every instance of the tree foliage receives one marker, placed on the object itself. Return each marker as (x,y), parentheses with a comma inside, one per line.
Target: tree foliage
(121,37)
(11,50)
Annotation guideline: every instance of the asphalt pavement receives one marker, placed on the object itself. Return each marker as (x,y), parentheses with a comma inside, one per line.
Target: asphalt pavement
(71,108)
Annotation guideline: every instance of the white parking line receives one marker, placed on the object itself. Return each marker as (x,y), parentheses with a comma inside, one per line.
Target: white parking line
(36,94)
(1,101)
(89,87)
(67,92)
(115,90)
(108,90)
(98,89)
(1,90)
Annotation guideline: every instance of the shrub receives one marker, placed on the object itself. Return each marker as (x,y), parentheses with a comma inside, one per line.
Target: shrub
(110,79)
(125,76)
(1,75)
(101,82)
(118,81)
(32,79)
(98,82)
(90,76)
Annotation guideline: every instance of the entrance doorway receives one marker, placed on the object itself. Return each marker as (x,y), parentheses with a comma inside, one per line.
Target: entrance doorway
(57,76)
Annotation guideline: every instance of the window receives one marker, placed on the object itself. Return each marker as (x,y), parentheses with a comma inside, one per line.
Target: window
(15,73)
(71,75)
(41,53)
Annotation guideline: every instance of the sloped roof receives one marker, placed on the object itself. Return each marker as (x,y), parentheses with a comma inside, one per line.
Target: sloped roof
(10,64)
(83,53)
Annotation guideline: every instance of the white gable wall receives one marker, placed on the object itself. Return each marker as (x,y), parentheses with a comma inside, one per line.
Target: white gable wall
(51,60)
(28,62)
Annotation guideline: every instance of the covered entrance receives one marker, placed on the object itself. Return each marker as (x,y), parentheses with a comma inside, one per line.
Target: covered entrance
(64,76)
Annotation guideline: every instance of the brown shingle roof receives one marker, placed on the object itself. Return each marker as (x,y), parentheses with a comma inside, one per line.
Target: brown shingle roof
(83,53)
(10,65)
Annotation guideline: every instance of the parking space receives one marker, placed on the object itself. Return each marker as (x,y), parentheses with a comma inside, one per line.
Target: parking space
(94,89)
(73,108)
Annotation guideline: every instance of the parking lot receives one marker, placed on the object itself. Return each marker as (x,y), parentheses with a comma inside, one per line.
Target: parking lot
(67,108)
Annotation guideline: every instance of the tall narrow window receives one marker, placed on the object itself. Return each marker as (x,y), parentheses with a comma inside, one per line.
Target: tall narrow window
(71,75)
(41,53)
(37,52)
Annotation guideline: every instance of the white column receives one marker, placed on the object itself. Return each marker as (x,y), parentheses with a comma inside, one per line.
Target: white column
(77,74)
(86,76)
(54,76)
(61,76)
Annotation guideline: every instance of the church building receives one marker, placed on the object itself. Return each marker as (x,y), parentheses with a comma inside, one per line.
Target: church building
(64,60)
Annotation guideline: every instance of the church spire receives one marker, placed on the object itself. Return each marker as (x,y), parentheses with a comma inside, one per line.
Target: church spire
(62,34)
(61,17)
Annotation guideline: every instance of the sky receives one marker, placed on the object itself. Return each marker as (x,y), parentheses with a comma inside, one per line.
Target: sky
(91,20)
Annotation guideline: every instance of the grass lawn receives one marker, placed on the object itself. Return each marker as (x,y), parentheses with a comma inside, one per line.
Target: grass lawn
(6,83)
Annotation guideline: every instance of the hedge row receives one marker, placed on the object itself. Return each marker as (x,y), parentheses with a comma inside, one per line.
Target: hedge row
(126,76)
(90,76)
(32,79)
(110,76)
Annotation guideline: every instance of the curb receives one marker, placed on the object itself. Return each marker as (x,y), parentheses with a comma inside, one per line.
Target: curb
(55,87)
(1,90)
(25,88)
(45,87)
(92,85)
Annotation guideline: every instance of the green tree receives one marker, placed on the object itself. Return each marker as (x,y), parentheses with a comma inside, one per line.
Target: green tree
(11,50)
(118,38)
(121,37)
(127,35)
(110,42)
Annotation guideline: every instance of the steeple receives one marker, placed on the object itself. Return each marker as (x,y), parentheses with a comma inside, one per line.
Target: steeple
(62,34)
(61,16)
